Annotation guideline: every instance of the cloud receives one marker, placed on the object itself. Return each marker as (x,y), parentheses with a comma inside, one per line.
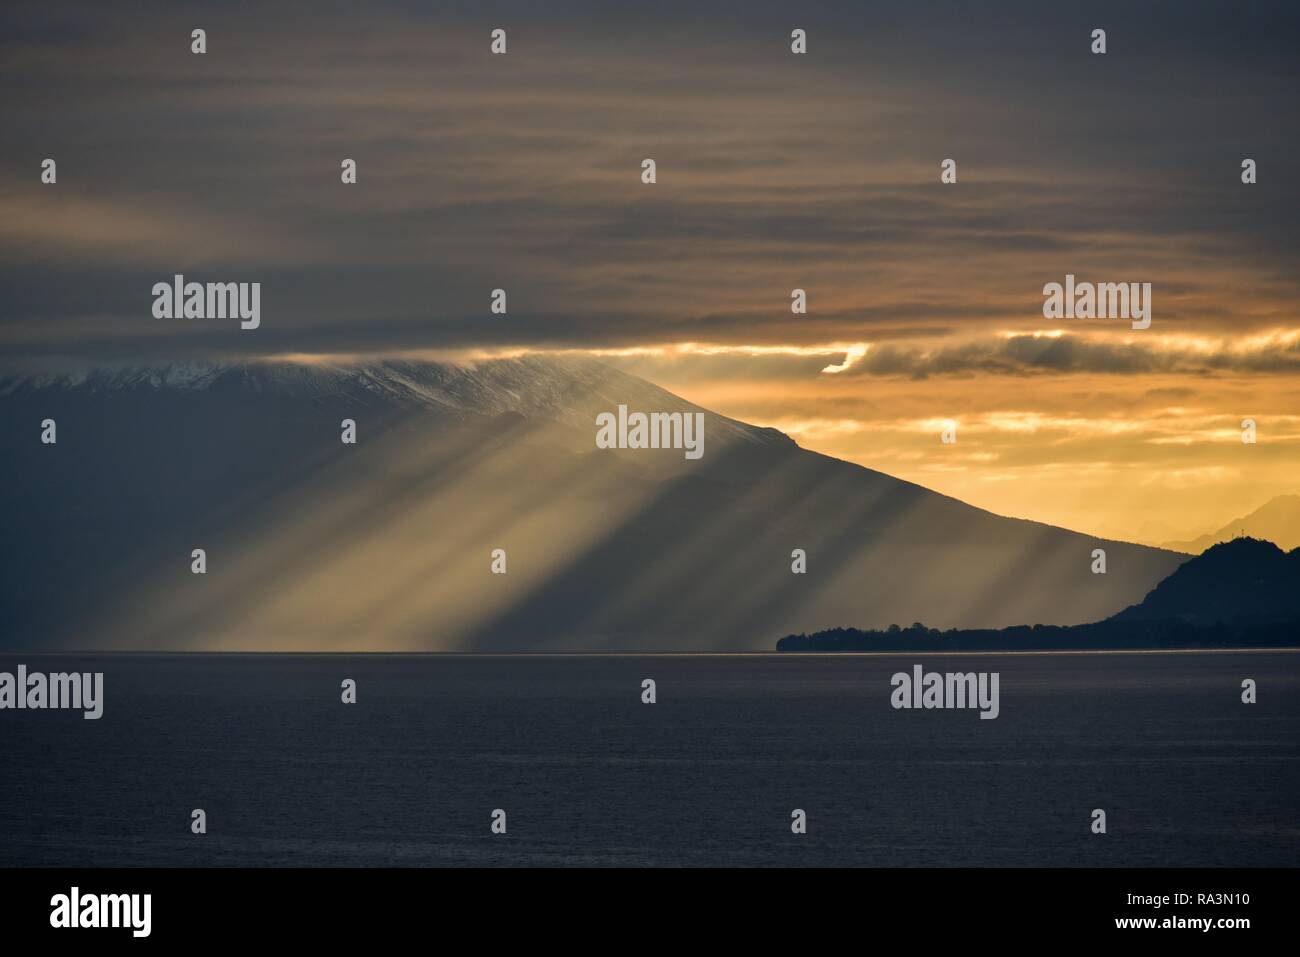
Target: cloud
(1118,353)
(521,172)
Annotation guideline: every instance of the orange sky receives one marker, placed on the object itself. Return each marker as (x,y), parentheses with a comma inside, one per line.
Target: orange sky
(1154,458)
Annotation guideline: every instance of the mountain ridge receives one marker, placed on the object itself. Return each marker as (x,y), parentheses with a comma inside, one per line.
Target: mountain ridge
(1277,521)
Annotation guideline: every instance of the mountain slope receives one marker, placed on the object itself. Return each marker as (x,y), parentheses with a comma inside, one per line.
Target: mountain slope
(1276,521)
(387,544)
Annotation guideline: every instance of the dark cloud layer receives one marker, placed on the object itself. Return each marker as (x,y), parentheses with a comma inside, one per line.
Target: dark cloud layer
(522,172)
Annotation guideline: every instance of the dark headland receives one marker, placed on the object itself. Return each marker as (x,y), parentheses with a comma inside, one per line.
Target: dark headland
(1239,594)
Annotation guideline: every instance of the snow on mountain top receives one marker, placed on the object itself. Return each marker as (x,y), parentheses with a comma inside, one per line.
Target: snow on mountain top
(565,388)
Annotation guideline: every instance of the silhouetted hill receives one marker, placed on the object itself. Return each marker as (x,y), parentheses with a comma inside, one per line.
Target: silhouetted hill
(1242,593)
(1241,580)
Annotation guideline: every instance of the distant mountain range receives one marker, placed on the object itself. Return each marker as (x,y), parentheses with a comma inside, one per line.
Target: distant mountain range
(387,544)
(1277,521)
(1242,593)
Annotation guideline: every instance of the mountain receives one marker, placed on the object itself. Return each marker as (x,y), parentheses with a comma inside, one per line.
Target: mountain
(1277,521)
(1244,580)
(388,544)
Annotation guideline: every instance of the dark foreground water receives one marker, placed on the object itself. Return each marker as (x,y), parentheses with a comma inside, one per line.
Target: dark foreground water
(588,775)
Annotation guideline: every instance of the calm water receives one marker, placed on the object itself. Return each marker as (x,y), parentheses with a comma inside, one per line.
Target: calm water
(588,775)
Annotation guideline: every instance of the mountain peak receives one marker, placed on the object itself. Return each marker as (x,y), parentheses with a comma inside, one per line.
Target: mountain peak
(566,389)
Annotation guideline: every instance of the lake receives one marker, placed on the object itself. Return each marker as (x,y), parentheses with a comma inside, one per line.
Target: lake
(709,774)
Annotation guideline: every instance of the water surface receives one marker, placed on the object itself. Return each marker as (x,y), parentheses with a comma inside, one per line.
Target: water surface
(588,775)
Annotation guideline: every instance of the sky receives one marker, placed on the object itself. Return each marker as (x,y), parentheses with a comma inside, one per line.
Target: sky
(775,171)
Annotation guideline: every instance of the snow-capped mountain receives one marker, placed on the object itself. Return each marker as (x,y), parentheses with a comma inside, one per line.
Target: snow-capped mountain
(563,389)
(475,511)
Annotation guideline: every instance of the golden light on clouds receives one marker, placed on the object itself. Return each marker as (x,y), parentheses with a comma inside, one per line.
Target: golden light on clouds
(1153,457)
